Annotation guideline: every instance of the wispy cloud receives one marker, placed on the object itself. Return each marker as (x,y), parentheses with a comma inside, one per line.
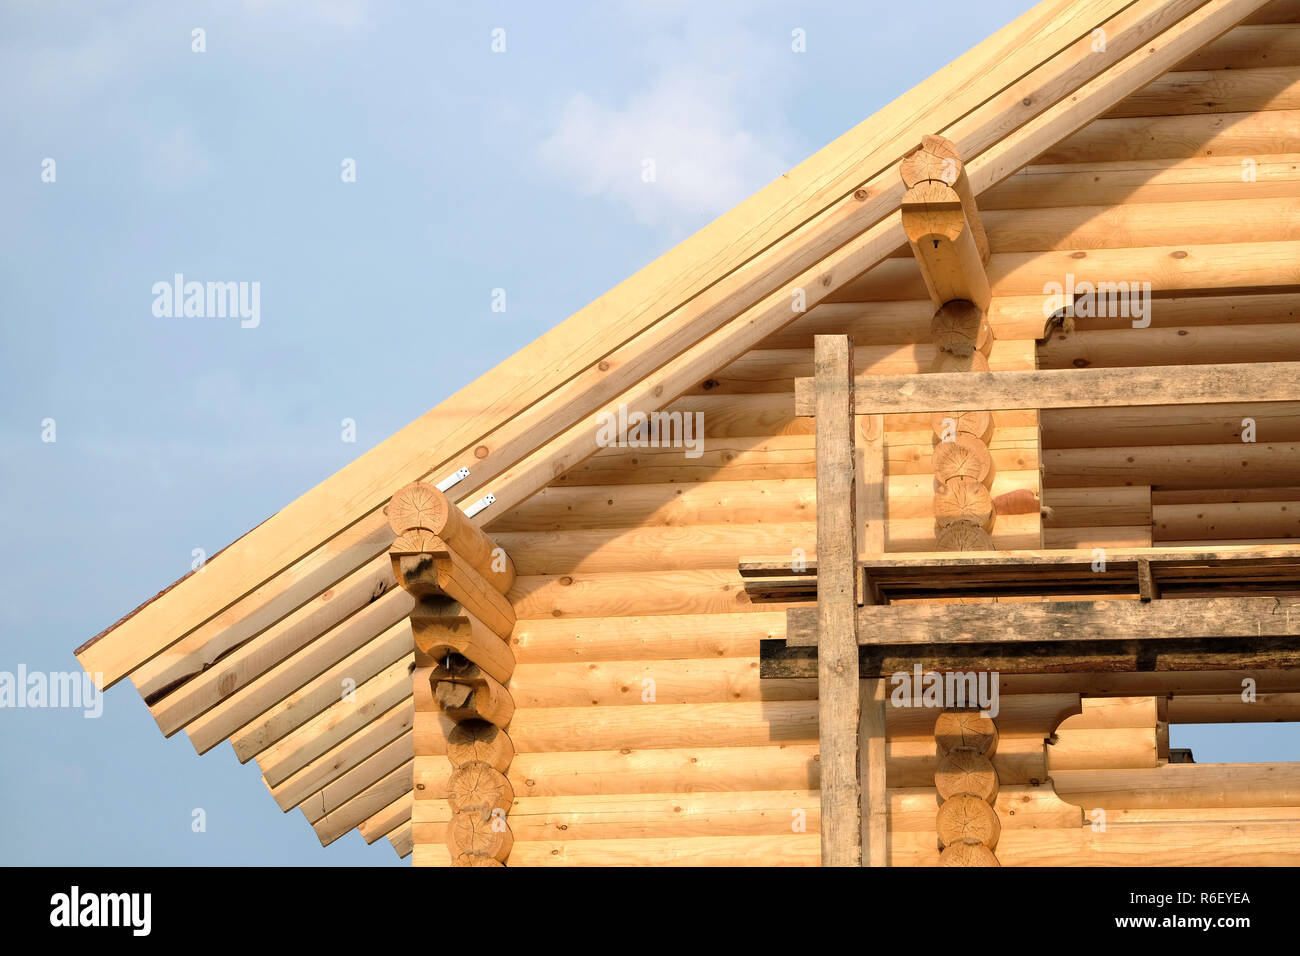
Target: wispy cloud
(178,159)
(696,140)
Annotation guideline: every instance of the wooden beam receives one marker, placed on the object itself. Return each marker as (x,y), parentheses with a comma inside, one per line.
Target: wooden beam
(252,726)
(943,245)
(1232,709)
(1068,388)
(872,746)
(872,500)
(839,708)
(1179,468)
(937,159)
(420,506)
(1183,786)
(1116,659)
(943,225)
(1147,588)
(1054,622)
(331,765)
(1064,571)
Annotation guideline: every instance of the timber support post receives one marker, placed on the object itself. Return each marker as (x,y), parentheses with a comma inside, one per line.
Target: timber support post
(838,707)
(461,623)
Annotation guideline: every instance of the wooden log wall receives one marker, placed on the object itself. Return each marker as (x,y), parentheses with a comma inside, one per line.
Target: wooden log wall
(642,733)
(460,624)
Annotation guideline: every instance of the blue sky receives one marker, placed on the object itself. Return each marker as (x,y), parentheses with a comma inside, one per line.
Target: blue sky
(475,171)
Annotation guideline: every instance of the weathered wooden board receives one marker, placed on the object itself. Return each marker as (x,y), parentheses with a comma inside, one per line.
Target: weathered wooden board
(1068,388)
(1121,657)
(1059,622)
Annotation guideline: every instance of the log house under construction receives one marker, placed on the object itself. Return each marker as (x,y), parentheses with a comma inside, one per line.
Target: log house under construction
(1004,383)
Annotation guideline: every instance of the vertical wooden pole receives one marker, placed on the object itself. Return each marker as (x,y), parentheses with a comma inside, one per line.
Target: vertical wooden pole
(837,568)
(871,484)
(875,798)
(871,701)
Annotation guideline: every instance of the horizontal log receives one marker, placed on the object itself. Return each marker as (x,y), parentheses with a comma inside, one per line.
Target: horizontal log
(795,849)
(680,815)
(770,767)
(1171,425)
(429,854)
(1175,466)
(910,762)
(1276,11)
(1163,137)
(616,594)
(1203,815)
(1099,536)
(651,549)
(702,681)
(1019,807)
(1263,843)
(1267,842)
(1010,532)
(901,323)
(1151,682)
(1186,91)
(585,508)
(1220,521)
(1181,268)
(1069,388)
(1109,713)
(1199,496)
(1054,622)
(644,638)
(1096,507)
(1183,785)
(1246,45)
(1171,346)
(638,816)
(772,370)
(1232,709)
(1064,573)
(654,726)
(1109,748)
(1193,179)
(736,459)
(1132,224)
